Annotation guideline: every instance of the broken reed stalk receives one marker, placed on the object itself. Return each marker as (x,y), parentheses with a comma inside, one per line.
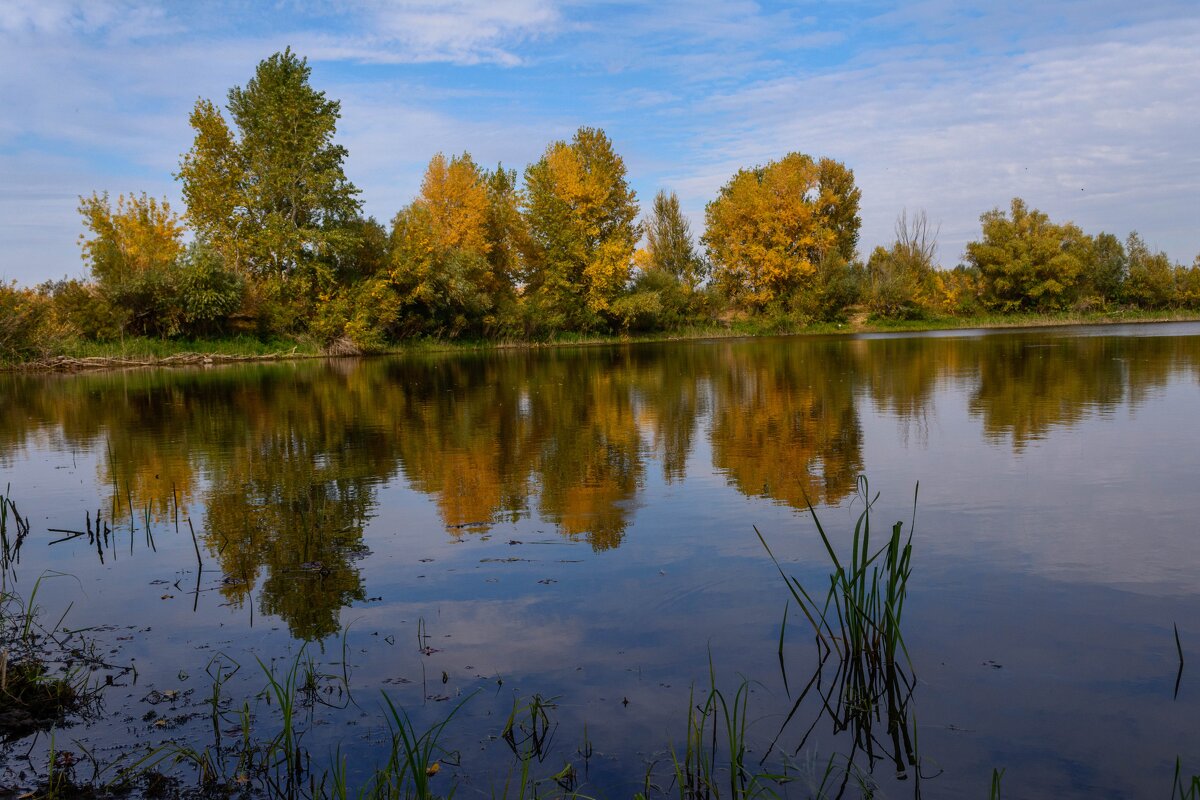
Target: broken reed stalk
(1179,650)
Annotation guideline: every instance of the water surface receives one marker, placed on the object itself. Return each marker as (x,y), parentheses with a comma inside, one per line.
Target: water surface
(579,523)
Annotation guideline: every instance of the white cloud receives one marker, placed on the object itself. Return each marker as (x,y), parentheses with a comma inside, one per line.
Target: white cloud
(97,95)
(1095,132)
(455,31)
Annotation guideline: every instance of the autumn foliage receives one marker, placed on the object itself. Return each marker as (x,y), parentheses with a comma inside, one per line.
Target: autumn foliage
(274,242)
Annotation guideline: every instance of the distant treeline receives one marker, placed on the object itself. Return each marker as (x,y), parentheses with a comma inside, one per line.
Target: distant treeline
(279,245)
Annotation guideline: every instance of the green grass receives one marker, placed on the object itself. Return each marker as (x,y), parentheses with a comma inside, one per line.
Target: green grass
(142,349)
(81,353)
(34,695)
(145,348)
(1027,320)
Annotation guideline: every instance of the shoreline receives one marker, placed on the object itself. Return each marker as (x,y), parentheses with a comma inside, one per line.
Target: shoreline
(125,357)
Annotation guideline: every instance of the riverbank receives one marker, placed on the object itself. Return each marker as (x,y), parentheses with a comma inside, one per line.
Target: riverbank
(80,355)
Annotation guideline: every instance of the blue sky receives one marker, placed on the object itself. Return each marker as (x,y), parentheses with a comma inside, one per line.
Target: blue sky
(1088,110)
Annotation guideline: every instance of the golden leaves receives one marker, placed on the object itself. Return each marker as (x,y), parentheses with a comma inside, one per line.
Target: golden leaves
(141,234)
(770,226)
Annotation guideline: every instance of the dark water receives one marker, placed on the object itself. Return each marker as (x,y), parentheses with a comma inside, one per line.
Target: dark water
(579,524)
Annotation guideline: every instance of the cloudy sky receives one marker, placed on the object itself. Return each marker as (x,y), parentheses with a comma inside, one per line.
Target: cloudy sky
(1089,110)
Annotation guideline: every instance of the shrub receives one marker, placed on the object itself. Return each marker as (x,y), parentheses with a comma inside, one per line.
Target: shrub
(27,327)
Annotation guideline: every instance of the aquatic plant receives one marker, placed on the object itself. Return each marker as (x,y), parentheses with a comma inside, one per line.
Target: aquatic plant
(714,755)
(858,625)
(1184,788)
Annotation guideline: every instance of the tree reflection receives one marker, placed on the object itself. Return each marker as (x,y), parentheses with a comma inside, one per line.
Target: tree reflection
(280,464)
(784,421)
(1028,385)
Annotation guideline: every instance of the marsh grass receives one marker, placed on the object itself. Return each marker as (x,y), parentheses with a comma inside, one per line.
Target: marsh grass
(713,760)
(857,626)
(1182,787)
(13,530)
(45,670)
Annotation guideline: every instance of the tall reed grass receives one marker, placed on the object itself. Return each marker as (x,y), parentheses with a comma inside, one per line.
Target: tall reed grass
(857,626)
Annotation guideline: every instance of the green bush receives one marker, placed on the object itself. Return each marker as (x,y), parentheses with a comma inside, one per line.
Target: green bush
(83,310)
(1151,281)
(27,327)
(208,294)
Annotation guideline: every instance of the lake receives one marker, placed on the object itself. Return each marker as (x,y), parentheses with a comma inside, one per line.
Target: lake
(578,525)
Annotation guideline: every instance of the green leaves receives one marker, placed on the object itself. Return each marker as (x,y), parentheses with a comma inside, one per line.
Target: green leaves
(669,243)
(1026,262)
(273,199)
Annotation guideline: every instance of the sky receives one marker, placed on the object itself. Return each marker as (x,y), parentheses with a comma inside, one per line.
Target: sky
(1090,110)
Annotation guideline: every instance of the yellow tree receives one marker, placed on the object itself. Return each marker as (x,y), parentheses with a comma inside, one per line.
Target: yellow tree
(771,227)
(139,235)
(133,251)
(441,244)
(581,215)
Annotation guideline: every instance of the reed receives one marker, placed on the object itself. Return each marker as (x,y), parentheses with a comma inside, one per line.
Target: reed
(713,761)
(414,758)
(857,625)
(1182,787)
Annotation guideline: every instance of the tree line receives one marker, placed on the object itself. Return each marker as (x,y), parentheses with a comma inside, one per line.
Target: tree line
(274,242)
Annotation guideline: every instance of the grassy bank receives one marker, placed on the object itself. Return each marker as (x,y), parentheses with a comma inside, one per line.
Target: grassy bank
(79,354)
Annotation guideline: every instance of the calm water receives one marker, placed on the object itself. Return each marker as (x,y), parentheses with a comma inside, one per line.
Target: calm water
(578,523)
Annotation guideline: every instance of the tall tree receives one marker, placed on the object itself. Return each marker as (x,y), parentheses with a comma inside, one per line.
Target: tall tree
(581,215)
(771,227)
(507,231)
(669,246)
(1025,261)
(440,248)
(273,198)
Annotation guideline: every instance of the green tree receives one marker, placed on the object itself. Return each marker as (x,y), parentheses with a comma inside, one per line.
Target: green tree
(1151,281)
(667,272)
(1105,269)
(771,227)
(901,277)
(669,243)
(508,234)
(582,231)
(208,292)
(272,198)
(1027,262)
(1187,284)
